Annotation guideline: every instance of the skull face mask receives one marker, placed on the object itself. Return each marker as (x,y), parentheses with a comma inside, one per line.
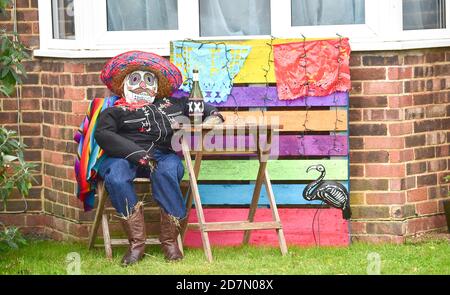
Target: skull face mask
(140,85)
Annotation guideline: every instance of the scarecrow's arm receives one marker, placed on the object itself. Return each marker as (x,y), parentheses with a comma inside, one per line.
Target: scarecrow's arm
(114,144)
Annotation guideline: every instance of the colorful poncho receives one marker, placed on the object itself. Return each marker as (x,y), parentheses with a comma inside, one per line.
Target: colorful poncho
(89,152)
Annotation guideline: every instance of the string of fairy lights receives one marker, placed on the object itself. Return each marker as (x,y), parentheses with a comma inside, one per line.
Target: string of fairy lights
(335,147)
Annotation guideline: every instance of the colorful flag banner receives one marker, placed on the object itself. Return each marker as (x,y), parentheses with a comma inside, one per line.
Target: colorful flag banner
(217,64)
(312,68)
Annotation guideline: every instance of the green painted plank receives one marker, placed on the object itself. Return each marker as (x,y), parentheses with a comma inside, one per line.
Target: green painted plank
(278,169)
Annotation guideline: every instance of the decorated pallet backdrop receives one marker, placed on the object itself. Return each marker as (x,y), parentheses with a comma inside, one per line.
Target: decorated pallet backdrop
(302,84)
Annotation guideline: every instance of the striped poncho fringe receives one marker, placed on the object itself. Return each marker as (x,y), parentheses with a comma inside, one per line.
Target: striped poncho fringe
(89,152)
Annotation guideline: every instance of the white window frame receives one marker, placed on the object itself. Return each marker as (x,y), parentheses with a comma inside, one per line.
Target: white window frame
(46,27)
(284,27)
(101,38)
(383,30)
(397,32)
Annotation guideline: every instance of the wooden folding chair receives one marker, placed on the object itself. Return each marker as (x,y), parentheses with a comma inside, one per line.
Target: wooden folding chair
(101,216)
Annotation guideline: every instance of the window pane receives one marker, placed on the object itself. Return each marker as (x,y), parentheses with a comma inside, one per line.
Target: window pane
(327,12)
(63,19)
(423,14)
(234,17)
(133,15)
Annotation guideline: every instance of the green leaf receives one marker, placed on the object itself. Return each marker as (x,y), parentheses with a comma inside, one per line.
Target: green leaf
(9,158)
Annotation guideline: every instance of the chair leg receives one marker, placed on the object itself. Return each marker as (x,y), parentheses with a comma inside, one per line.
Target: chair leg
(98,214)
(106,236)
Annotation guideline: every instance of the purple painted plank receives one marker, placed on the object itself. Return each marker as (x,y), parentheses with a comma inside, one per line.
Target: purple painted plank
(283,145)
(254,97)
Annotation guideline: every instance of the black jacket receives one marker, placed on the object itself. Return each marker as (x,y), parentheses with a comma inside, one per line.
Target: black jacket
(134,134)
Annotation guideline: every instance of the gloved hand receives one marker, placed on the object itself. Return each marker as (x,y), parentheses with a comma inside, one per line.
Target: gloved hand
(214,119)
(147,162)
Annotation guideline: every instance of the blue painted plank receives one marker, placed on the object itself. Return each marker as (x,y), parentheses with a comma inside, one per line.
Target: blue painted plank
(241,194)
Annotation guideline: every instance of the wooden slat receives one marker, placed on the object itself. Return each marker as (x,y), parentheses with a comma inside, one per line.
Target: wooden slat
(241,194)
(149,241)
(297,226)
(236,225)
(278,169)
(317,120)
(260,96)
(282,145)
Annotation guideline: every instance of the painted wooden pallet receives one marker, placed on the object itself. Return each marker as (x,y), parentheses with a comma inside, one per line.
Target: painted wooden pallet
(312,127)
(297,225)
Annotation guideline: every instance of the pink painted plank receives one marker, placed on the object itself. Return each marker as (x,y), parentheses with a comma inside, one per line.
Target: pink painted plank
(287,145)
(261,96)
(297,226)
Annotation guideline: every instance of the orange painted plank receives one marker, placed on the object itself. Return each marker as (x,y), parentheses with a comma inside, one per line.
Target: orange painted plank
(293,120)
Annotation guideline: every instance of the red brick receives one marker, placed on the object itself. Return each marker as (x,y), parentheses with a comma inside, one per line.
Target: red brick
(369,184)
(428,207)
(378,60)
(414,59)
(369,157)
(399,156)
(382,87)
(396,129)
(32,91)
(400,101)
(437,165)
(425,180)
(417,194)
(74,93)
(434,138)
(355,115)
(422,224)
(399,73)
(357,227)
(27,15)
(383,143)
(368,102)
(356,170)
(74,68)
(368,74)
(433,57)
(385,170)
(416,168)
(385,198)
(368,129)
(370,212)
(391,228)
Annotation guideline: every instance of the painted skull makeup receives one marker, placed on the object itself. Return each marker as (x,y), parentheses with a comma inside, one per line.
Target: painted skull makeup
(140,85)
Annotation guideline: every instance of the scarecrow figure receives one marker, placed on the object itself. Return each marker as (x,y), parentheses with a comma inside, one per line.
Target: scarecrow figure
(135,134)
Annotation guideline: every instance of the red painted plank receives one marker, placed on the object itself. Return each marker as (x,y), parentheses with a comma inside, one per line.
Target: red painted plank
(283,145)
(297,226)
(261,96)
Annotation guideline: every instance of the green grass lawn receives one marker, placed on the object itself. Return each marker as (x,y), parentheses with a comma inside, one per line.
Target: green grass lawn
(49,257)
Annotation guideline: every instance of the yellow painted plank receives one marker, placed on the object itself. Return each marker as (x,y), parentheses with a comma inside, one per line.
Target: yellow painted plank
(294,120)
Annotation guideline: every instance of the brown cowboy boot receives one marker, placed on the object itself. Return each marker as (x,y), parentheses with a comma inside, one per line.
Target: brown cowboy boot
(134,227)
(170,229)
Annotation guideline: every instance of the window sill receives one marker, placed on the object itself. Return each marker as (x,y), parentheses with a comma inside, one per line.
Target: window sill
(358,45)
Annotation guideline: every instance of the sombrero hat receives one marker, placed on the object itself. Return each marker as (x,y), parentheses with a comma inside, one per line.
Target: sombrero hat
(116,69)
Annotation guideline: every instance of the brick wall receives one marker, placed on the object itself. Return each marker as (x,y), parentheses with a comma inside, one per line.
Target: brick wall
(399,138)
(399,142)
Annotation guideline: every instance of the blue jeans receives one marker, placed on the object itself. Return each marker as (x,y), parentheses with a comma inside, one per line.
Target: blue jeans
(119,173)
